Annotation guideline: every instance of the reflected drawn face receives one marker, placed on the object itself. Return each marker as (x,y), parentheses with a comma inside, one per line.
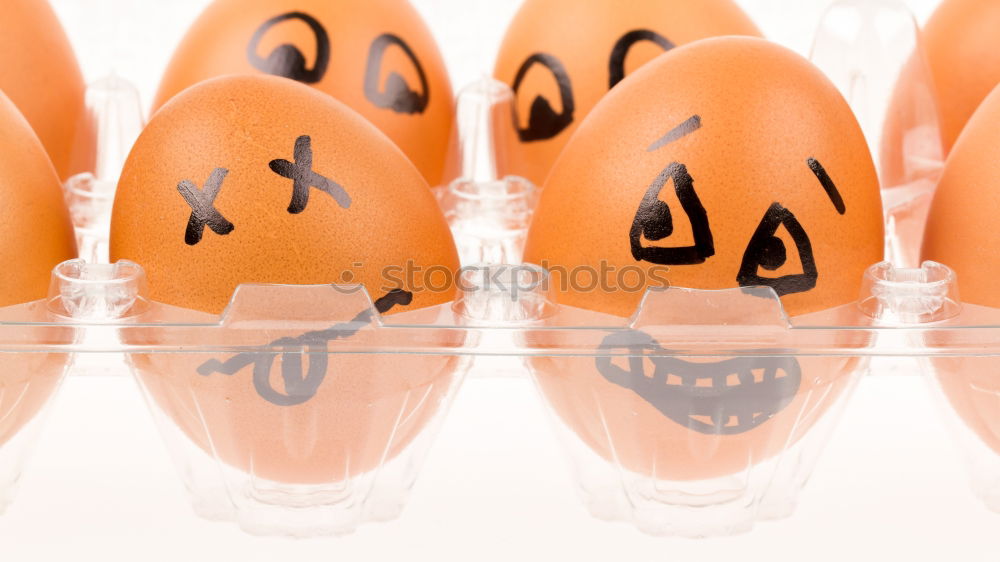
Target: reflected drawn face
(766,251)
(715,398)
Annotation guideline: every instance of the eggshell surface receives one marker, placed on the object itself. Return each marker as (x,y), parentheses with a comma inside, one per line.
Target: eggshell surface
(960,41)
(262,180)
(562,56)
(38,234)
(378,57)
(40,74)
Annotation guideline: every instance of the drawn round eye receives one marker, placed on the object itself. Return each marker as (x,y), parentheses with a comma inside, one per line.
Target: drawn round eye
(395,93)
(773,254)
(287,60)
(543,121)
(654,222)
(767,251)
(619,54)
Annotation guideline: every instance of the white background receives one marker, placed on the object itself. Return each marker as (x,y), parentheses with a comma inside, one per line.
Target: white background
(495,487)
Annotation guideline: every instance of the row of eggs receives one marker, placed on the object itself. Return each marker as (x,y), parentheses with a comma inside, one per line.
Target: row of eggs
(294,140)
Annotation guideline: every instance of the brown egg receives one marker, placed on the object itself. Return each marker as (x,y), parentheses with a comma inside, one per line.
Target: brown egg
(960,39)
(961,234)
(959,229)
(39,72)
(562,56)
(753,171)
(258,179)
(37,233)
(378,57)
(37,236)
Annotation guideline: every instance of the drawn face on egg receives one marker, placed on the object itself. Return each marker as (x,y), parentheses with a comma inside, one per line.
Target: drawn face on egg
(379,59)
(560,57)
(766,251)
(751,173)
(392,92)
(543,121)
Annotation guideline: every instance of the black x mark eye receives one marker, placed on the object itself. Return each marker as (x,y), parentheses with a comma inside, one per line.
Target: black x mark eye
(543,121)
(287,60)
(304,178)
(396,94)
(619,53)
(203,211)
(767,251)
(654,222)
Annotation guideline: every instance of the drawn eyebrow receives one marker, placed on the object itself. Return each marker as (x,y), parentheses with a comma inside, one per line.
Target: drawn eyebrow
(828,185)
(677,133)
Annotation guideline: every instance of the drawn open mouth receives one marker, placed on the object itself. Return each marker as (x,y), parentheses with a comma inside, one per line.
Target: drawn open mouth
(719,398)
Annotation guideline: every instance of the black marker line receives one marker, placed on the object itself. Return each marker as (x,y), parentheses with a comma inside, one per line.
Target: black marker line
(300,387)
(203,211)
(304,178)
(616,65)
(678,132)
(287,60)
(828,185)
(543,121)
(396,94)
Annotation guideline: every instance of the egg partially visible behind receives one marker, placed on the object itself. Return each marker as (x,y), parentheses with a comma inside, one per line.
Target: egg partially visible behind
(750,171)
(961,234)
(377,56)
(40,74)
(35,236)
(562,56)
(961,46)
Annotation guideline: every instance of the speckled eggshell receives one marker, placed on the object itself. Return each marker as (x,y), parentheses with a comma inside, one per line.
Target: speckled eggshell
(37,236)
(768,181)
(961,46)
(961,233)
(585,47)
(960,230)
(368,407)
(380,59)
(40,74)
(37,232)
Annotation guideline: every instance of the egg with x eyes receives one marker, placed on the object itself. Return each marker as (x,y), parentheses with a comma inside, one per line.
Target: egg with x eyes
(753,172)
(261,180)
(562,56)
(377,56)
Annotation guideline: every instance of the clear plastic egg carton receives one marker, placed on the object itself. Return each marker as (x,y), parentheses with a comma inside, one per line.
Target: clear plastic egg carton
(302,411)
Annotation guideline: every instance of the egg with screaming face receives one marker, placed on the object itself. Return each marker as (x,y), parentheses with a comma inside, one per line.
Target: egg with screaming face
(40,74)
(961,234)
(753,171)
(378,57)
(562,56)
(258,179)
(37,236)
